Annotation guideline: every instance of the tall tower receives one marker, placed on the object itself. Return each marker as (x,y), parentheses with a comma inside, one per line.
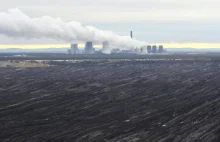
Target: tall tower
(89,48)
(131,34)
(149,50)
(160,50)
(144,49)
(105,47)
(74,49)
(154,49)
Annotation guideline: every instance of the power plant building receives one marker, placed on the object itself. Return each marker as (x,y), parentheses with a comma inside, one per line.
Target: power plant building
(69,51)
(131,34)
(144,49)
(161,49)
(74,49)
(149,49)
(154,49)
(89,48)
(106,47)
(137,50)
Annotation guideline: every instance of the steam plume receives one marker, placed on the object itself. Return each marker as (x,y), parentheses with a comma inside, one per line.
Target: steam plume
(15,23)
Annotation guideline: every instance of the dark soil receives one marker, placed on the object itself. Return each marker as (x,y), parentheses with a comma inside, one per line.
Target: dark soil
(133,101)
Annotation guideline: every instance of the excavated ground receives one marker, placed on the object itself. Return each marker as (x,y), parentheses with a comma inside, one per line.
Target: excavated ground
(111,101)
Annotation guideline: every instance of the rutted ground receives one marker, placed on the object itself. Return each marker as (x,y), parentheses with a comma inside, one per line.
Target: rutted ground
(111,101)
(22,64)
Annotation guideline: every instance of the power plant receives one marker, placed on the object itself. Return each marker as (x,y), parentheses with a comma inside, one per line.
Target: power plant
(106,49)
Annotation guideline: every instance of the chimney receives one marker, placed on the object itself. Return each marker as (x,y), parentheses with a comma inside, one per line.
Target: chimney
(131,34)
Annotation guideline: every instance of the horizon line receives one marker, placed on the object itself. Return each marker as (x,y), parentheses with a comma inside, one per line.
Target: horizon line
(166,45)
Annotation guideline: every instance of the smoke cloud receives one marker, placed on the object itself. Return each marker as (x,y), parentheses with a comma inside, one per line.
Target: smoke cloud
(15,23)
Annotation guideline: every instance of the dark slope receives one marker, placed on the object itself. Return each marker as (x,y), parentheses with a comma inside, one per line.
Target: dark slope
(111,101)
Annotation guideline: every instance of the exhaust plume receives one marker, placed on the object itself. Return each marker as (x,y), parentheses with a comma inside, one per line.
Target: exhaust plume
(15,23)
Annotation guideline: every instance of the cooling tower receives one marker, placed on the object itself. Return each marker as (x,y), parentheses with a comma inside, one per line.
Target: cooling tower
(74,49)
(89,48)
(149,50)
(106,47)
(144,50)
(160,50)
(154,49)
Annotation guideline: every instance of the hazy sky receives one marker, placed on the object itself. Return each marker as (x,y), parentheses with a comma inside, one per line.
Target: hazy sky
(151,20)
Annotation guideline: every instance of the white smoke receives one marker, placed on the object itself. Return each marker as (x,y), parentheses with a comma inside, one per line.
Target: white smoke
(15,23)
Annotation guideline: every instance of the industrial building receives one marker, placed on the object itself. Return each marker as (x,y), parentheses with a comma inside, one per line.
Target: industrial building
(89,48)
(137,50)
(160,50)
(149,49)
(144,50)
(106,47)
(74,49)
(131,34)
(69,51)
(154,49)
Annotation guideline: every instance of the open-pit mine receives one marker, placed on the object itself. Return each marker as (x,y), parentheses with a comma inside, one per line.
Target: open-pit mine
(110,101)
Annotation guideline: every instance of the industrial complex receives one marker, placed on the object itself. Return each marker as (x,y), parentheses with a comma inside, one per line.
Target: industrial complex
(108,49)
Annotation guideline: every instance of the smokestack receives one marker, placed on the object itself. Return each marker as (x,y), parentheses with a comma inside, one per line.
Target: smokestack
(131,34)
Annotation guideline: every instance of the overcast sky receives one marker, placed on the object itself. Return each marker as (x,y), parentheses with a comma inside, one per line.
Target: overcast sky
(151,20)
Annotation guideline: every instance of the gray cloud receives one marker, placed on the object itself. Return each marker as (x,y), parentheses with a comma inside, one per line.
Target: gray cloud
(152,20)
(120,10)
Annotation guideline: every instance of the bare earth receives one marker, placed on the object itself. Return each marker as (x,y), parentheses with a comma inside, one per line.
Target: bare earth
(22,64)
(134,101)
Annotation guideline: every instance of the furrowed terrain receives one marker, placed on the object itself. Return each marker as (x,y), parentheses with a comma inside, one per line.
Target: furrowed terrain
(111,101)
